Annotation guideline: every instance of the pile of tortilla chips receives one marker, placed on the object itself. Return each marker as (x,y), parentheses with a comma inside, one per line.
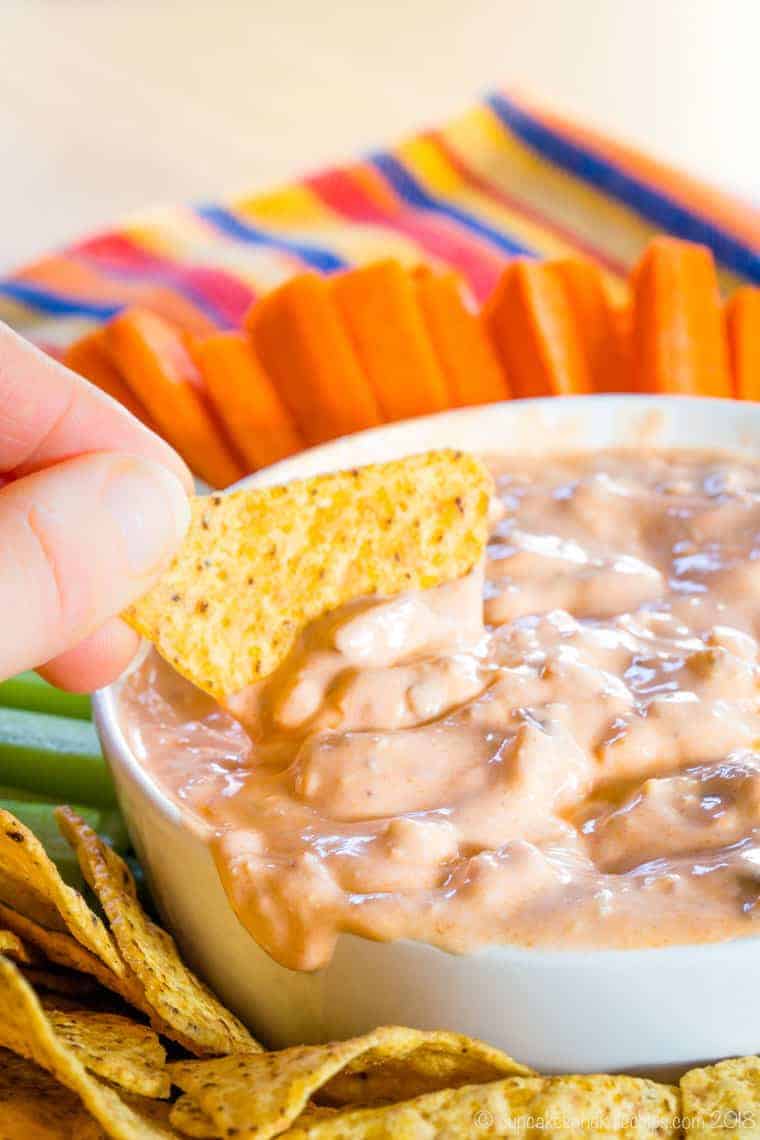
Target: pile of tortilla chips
(104,1032)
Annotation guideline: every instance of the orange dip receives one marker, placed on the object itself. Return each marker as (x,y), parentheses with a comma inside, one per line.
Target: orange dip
(563,756)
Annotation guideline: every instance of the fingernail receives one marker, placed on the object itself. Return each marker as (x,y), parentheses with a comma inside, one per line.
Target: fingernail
(150,509)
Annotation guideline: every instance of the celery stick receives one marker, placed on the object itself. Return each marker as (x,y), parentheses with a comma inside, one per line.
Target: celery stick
(40,818)
(54,755)
(22,795)
(110,820)
(28,691)
(113,829)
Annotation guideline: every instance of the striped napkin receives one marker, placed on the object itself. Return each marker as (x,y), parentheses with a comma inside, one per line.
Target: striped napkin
(504,179)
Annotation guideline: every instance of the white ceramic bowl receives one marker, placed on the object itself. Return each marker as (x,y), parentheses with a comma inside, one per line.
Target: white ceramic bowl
(557,1010)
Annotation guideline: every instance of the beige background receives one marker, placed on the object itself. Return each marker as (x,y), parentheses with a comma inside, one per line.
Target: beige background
(106,107)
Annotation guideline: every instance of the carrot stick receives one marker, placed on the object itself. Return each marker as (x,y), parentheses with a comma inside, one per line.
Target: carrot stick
(245,399)
(532,326)
(467,359)
(679,341)
(622,319)
(599,331)
(381,311)
(302,344)
(155,362)
(743,330)
(89,357)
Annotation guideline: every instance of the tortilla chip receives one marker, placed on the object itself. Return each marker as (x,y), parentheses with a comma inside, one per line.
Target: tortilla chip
(260,1094)
(63,950)
(114,1047)
(155,1112)
(24,862)
(414,1062)
(64,983)
(315,1112)
(723,1100)
(563,1108)
(32,1105)
(191,1120)
(25,1029)
(22,897)
(110,1045)
(257,566)
(188,1118)
(178,1004)
(12,946)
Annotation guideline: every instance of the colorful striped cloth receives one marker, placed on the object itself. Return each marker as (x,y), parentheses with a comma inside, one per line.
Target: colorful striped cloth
(504,179)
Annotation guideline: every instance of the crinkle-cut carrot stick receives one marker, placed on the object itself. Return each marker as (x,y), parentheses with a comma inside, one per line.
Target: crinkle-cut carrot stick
(679,343)
(466,356)
(154,359)
(380,309)
(532,326)
(246,400)
(599,331)
(743,329)
(89,357)
(303,345)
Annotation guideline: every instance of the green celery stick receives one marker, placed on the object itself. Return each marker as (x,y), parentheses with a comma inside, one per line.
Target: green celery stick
(113,829)
(55,755)
(111,823)
(28,691)
(39,817)
(22,795)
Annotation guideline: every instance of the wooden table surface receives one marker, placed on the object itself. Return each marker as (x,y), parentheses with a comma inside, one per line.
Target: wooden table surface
(107,107)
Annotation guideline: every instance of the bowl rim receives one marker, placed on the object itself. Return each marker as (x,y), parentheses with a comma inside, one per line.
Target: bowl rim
(104,701)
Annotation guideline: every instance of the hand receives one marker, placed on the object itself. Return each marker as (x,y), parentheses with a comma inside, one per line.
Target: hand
(92,506)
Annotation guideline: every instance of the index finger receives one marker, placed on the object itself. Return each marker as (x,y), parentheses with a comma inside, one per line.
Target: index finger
(48,413)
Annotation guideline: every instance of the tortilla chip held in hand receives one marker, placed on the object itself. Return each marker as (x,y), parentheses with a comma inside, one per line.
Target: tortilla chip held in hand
(257,566)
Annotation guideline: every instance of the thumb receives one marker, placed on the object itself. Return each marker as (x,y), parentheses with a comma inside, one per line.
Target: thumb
(78,542)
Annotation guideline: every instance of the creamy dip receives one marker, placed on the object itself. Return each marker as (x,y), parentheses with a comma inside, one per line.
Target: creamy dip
(560,751)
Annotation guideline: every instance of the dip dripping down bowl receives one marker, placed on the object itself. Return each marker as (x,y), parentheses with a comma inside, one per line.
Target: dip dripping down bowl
(557,1009)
